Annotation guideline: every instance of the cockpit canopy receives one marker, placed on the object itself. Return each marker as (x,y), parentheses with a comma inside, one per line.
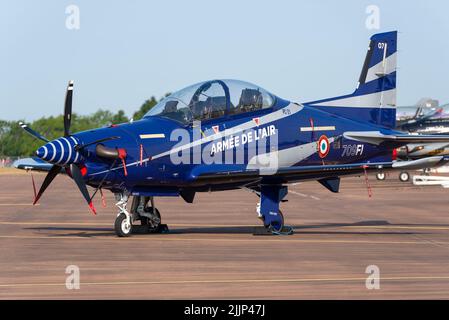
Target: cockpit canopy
(212,99)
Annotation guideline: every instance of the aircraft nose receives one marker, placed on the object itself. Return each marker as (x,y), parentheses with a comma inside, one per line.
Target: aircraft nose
(60,151)
(41,152)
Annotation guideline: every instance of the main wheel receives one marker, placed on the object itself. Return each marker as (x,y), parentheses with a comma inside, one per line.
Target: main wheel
(404,176)
(153,225)
(381,176)
(278,226)
(122,227)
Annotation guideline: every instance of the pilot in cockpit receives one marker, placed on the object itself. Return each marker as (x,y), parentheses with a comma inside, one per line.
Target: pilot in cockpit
(170,106)
(171,111)
(250,100)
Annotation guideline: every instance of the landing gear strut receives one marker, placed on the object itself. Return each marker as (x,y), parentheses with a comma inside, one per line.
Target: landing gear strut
(149,216)
(269,212)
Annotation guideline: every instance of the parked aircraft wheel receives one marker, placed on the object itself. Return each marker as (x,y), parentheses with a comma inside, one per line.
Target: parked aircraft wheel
(277,227)
(153,224)
(404,176)
(381,176)
(122,227)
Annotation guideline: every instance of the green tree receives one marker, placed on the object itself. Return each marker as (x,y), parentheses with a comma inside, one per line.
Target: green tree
(14,141)
(146,106)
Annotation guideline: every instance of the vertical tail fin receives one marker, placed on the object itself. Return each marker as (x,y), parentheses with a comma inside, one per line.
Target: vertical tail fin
(374,99)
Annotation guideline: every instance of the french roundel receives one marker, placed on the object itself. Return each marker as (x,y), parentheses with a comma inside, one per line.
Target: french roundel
(323,146)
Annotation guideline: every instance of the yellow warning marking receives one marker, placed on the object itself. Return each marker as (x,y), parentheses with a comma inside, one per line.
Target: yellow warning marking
(152,136)
(324,128)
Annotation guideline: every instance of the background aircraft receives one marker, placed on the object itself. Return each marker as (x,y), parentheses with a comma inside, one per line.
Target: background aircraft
(225,134)
(426,117)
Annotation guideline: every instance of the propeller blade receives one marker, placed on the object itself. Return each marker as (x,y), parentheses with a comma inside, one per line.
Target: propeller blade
(68,109)
(78,177)
(48,179)
(82,146)
(32,132)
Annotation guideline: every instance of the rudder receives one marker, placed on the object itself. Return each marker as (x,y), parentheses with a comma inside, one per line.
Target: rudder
(374,99)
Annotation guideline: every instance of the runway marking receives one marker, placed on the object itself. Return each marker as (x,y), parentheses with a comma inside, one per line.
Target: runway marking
(227,281)
(50,237)
(56,223)
(304,195)
(224,240)
(17,204)
(400,227)
(299,194)
(199,225)
(111,224)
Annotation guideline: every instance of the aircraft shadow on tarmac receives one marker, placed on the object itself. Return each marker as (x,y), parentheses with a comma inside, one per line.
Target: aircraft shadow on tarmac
(299,229)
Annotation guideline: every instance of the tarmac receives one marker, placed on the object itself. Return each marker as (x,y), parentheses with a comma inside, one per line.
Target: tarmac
(402,232)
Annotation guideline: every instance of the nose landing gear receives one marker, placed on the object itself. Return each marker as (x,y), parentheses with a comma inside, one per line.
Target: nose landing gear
(123,222)
(149,217)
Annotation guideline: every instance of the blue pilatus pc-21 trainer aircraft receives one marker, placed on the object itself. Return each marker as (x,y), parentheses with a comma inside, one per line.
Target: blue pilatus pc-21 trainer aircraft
(226,134)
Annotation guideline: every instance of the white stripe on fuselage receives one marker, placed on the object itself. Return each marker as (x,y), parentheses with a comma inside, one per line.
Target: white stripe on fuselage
(284,158)
(291,109)
(274,116)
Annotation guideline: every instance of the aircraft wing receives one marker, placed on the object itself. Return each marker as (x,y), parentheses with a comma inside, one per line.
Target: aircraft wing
(34,164)
(296,173)
(377,137)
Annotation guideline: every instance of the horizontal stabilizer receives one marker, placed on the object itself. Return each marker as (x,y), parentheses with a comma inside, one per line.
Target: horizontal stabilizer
(377,137)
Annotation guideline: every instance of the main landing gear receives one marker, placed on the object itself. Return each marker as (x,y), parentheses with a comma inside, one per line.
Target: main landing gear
(269,212)
(149,216)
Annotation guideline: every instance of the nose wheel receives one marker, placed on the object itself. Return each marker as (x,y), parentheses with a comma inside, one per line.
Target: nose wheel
(123,222)
(122,226)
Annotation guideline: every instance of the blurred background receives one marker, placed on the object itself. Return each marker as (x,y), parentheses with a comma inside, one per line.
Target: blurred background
(124,56)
